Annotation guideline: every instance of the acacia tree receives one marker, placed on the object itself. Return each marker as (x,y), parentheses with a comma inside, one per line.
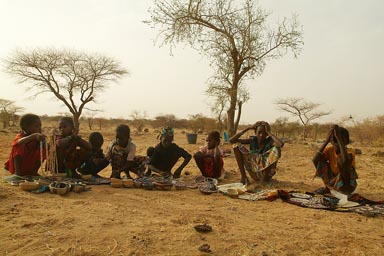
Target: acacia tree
(304,110)
(235,38)
(74,78)
(8,112)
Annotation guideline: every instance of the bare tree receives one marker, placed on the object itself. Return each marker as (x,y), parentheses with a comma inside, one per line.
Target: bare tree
(74,78)
(304,110)
(13,114)
(138,119)
(234,37)
(8,112)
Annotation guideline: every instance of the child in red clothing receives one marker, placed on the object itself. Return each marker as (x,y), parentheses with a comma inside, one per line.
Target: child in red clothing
(25,157)
(210,157)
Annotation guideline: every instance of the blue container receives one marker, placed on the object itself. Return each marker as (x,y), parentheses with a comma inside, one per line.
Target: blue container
(225,137)
(192,138)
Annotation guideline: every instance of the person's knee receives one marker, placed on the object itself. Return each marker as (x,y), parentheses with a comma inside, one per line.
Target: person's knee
(198,155)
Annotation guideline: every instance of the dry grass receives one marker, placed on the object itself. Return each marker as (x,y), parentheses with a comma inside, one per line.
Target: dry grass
(113,221)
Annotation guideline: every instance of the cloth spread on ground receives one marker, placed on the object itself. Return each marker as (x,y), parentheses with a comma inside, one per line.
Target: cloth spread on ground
(354,203)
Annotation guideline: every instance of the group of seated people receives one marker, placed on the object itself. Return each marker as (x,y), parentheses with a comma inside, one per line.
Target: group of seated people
(334,163)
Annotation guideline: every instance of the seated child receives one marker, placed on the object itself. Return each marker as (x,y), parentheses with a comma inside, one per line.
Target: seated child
(209,159)
(121,153)
(335,164)
(264,152)
(25,157)
(164,156)
(96,161)
(72,151)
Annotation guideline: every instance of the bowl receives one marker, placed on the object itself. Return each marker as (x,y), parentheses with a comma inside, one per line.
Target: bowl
(180,186)
(147,185)
(207,189)
(137,183)
(29,185)
(78,188)
(127,183)
(59,188)
(232,192)
(165,186)
(116,183)
(44,182)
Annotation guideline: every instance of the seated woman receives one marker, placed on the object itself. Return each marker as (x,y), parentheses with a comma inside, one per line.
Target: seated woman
(260,160)
(165,155)
(335,164)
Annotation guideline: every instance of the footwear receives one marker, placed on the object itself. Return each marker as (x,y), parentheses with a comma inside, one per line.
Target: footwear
(322,191)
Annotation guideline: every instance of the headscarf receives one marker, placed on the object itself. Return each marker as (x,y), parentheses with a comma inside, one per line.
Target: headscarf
(166,131)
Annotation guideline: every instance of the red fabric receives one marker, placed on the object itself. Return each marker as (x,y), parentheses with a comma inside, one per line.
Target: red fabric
(30,155)
(209,166)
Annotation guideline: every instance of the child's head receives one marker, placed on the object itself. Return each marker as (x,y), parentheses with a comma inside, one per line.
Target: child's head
(96,139)
(344,136)
(30,123)
(66,126)
(213,139)
(123,133)
(166,136)
(261,133)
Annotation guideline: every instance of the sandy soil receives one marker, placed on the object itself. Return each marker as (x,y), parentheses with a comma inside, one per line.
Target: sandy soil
(117,221)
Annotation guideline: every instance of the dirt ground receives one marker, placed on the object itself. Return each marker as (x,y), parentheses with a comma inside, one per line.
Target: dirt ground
(118,221)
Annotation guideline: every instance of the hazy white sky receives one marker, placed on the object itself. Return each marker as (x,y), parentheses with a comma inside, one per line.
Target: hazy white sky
(341,64)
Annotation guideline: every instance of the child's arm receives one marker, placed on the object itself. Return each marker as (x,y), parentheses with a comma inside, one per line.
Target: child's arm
(236,138)
(34,136)
(82,143)
(17,163)
(217,162)
(187,157)
(319,154)
(277,141)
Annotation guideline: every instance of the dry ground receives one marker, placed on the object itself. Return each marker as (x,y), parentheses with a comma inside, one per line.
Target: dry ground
(111,221)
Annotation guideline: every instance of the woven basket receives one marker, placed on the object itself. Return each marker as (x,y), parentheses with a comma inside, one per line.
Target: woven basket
(147,185)
(165,186)
(29,185)
(127,183)
(180,186)
(60,188)
(116,183)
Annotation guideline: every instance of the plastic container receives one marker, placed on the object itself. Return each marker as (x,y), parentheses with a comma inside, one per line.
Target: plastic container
(191,138)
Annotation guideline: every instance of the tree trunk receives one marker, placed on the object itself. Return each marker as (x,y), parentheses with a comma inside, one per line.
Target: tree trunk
(232,109)
(76,118)
(90,122)
(240,105)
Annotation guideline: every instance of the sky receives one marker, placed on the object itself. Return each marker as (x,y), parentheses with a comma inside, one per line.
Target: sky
(340,65)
